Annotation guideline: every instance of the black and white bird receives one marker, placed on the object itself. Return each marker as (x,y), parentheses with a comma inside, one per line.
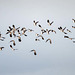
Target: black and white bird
(30,30)
(37,39)
(37,34)
(34,51)
(73,20)
(13,42)
(66,36)
(12,48)
(69,37)
(50,23)
(47,31)
(43,31)
(35,22)
(68,30)
(62,29)
(19,38)
(19,32)
(1,38)
(9,32)
(73,26)
(24,31)
(1,48)
(41,37)
(49,40)
(52,31)
(14,29)
(40,26)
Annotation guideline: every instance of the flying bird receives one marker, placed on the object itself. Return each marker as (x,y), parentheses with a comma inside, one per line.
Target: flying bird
(40,26)
(19,38)
(37,34)
(49,40)
(53,31)
(12,47)
(41,37)
(10,33)
(62,29)
(13,42)
(24,31)
(68,30)
(47,31)
(66,36)
(30,30)
(35,22)
(37,39)
(43,31)
(19,32)
(73,26)
(50,23)
(73,20)
(1,48)
(1,38)
(34,52)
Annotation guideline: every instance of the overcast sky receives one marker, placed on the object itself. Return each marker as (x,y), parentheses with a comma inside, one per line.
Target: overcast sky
(57,58)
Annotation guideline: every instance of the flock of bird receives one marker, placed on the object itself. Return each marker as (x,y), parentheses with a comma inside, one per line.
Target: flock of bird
(18,32)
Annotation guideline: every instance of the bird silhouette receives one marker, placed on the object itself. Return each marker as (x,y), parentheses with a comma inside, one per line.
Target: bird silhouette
(73,26)
(73,20)
(66,36)
(49,40)
(1,38)
(1,48)
(37,39)
(68,30)
(35,22)
(12,48)
(19,38)
(34,51)
(50,23)
(13,42)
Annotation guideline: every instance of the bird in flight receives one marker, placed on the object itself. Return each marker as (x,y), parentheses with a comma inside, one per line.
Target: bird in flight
(1,48)
(37,39)
(73,26)
(12,47)
(13,42)
(24,31)
(1,38)
(62,29)
(19,38)
(68,30)
(68,37)
(30,30)
(41,37)
(35,22)
(34,52)
(49,40)
(43,31)
(73,20)
(50,23)
(40,26)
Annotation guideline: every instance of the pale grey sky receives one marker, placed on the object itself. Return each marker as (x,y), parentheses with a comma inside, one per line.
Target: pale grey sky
(55,59)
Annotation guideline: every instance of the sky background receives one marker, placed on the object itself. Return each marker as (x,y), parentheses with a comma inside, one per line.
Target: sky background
(55,59)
